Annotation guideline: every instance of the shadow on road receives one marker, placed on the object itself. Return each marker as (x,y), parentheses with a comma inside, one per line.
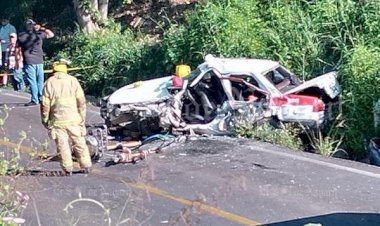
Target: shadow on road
(335,219)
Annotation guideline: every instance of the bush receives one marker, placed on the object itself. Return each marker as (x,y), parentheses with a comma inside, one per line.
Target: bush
(111,53)
(226,28)
(325,141)
(324,144)
(360,78)
(293,38)
(285,136)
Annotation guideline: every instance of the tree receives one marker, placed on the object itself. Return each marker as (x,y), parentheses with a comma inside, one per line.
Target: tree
(103,8)
(91,13)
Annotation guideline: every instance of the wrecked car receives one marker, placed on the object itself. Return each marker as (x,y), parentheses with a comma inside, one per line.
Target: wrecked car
(216,95)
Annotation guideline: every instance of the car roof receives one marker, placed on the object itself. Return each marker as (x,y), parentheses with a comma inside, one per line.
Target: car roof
(239,65)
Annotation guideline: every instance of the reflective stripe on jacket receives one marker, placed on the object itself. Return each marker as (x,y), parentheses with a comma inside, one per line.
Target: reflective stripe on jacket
(63,101)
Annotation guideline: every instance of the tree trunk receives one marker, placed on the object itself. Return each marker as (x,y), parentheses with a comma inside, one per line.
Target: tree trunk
(84,19)
(94,4)
(103,8)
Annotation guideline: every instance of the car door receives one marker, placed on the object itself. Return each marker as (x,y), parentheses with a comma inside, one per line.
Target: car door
(248,103)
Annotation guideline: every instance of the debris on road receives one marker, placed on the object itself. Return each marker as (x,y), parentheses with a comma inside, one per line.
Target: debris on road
(132,154)
(97,140)
(124,144)
(125,150)
(128,157)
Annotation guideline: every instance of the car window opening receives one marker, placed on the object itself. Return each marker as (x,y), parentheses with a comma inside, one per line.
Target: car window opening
(282,79)
(246,88)
(203,100)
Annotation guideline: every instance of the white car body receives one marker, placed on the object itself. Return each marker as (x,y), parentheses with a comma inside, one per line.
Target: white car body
(214,96)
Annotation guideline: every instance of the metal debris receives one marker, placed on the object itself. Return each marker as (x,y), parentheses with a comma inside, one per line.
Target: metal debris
(128,157)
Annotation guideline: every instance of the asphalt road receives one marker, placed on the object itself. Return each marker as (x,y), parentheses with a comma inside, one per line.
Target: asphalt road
(201,181)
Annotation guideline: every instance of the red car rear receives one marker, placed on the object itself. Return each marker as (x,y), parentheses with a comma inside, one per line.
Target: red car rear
(307,110)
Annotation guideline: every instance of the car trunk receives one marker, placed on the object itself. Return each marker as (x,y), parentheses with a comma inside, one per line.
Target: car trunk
(327,83)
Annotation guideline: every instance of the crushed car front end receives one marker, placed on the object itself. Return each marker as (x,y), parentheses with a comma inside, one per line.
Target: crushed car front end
(138,106)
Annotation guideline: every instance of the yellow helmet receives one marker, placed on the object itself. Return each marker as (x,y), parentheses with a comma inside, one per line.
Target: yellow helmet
(182,70)
(60,66)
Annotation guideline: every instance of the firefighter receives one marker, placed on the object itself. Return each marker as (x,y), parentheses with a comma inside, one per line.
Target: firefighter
(63,112)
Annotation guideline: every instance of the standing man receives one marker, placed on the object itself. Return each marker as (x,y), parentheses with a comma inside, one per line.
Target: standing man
(63,112)
(5,30)
(30,41)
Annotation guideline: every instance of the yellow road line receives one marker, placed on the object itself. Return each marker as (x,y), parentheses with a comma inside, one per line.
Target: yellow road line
(22,148)
(16,146)
(196,204)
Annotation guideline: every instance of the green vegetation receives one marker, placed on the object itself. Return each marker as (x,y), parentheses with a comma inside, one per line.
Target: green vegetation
(111,53)
(324,145)
(309,37)
(224,28)
(285,136)
(328,141)
(12,202)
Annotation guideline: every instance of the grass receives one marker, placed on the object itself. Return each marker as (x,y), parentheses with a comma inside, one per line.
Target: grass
(324,145)
(325,142)
(285,135)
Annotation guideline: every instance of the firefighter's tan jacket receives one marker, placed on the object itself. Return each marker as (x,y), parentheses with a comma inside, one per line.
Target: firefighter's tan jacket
(63,101)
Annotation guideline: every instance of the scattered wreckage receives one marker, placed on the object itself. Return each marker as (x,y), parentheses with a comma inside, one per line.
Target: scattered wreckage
(215,96)
(123,151)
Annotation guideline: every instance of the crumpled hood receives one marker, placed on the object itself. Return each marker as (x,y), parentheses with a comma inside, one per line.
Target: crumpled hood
(327,82)
(143,91)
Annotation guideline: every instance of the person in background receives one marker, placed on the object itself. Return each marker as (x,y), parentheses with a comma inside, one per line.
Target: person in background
(14,63)
(31,40)
(5,30)
(63,113)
